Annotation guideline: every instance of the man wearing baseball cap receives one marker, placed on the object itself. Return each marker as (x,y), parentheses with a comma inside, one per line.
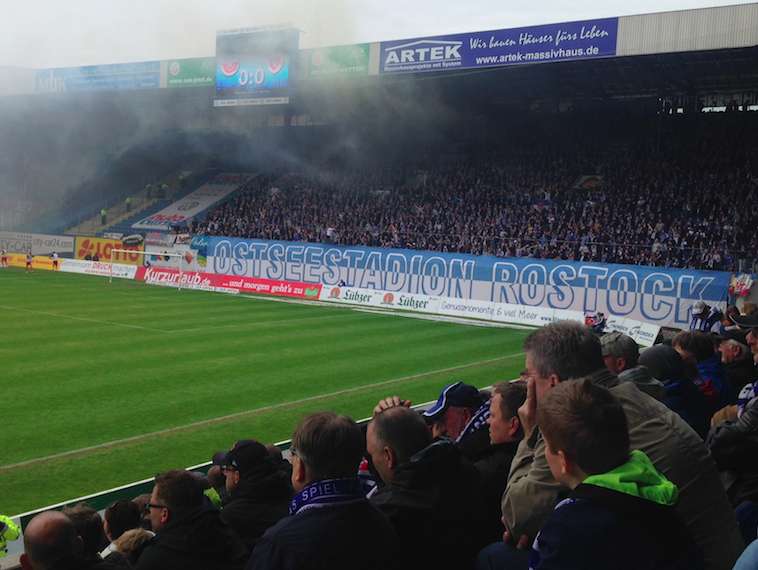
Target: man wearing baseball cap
(733,443)
(258,493)
(705,318)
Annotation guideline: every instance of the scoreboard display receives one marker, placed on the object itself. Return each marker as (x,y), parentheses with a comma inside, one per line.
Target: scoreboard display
(255,67)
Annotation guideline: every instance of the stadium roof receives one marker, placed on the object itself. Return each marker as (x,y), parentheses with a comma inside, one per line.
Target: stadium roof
(692,50)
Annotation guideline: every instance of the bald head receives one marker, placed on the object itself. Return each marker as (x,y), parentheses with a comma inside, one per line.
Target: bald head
(49,538)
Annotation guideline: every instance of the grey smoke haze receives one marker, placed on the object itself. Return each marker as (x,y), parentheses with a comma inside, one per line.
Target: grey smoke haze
(48,150)
(47,33)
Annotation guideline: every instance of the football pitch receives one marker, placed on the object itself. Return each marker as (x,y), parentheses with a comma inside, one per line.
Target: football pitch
(106,384)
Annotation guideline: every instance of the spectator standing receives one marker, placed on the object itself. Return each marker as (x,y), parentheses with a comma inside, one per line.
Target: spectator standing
(331,524)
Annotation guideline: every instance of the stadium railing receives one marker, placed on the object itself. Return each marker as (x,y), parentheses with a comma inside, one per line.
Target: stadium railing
(102,500)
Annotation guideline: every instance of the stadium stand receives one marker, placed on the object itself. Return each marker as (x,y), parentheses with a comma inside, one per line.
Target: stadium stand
(676,205)
(610,161)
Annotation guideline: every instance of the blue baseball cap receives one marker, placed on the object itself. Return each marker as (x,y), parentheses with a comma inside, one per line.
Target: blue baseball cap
(458,395)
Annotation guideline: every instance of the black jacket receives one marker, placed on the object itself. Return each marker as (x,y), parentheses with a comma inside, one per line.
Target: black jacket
(335,537)
(77,563)
(436,504)
(740,373)
(603,529)
(258,502)
(493,468)
(199,540)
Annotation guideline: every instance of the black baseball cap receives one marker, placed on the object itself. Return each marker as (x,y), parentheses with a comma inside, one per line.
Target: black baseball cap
(457,395)
(747,321)
(246,455)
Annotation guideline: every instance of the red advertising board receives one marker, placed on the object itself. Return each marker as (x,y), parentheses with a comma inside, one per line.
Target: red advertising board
(212,281)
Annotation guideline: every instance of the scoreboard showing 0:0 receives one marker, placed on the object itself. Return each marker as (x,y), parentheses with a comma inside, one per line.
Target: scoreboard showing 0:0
(253,76)
(253,66)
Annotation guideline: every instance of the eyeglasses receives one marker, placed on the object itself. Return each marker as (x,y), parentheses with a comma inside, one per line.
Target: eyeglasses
(149,506)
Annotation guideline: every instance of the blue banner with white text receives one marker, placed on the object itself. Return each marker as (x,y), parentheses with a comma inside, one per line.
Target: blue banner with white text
(534,44)
(656,295)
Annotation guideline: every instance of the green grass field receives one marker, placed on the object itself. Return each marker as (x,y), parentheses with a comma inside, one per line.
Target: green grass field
(106,384)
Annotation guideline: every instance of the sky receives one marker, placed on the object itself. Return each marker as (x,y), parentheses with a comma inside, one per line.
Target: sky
(61,33)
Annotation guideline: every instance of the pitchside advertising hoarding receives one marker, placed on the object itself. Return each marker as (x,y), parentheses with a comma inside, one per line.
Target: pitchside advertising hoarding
(535,44)
(255,67)
(227,283)
(111,77)
(103,248)
(39,244)
(654,295)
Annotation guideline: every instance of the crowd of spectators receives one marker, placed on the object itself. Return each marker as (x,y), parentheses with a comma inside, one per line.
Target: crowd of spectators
(620,204)
(599,456)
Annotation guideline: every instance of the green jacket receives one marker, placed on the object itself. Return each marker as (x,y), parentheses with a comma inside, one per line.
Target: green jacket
(639,478)
(8,531)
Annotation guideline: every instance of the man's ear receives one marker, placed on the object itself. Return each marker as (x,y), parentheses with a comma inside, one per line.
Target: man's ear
(513,427)
(25,562)
(390,458)
(298,471)
(554,380)
(564,463)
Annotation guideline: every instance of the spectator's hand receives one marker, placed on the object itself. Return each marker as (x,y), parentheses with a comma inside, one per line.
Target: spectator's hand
(527,413)
(725,414)
(390,402)
(438,430)
(521,544)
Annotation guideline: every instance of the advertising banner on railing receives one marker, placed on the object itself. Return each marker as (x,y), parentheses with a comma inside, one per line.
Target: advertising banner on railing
(194,203)
(214,282)
(336,61)
(102,248)
(110,77)
(644,333)
(98,268)
(535,44)
(655,295)
(195,72)
(39,244)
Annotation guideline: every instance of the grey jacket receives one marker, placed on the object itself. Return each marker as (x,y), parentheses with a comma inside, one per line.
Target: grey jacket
(675,450)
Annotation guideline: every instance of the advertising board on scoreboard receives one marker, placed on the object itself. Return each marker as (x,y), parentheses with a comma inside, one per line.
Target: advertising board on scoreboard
(255,67)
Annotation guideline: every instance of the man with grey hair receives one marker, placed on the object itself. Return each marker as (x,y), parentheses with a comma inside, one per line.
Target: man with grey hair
(621,356)
(565,351)
(737,362)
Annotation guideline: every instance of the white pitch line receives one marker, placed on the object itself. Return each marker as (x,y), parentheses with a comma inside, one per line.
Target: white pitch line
(251,324)
(237,415)
(84,319)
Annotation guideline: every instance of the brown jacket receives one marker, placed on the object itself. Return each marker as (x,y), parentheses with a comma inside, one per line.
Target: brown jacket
(673,447)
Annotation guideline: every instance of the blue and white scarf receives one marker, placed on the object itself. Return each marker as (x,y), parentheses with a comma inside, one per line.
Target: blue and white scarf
(477,422)
(328,492)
